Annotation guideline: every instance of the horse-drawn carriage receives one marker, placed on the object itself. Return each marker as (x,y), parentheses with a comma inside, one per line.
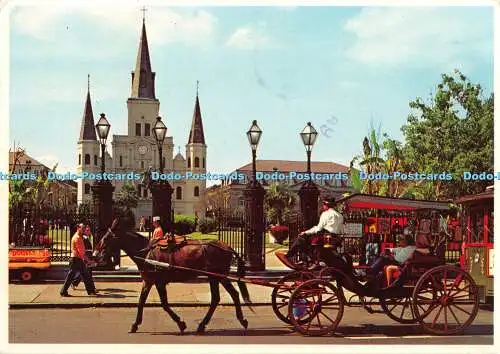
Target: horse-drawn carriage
(443,299)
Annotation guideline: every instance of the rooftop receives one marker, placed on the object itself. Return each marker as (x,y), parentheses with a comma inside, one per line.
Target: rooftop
(299,166)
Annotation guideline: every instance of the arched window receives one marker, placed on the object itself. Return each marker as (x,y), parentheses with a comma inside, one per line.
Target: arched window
(95,160)
(121,160)
(87,159)
(196,162)
(189,162)
(79,159)
(178,193)
(87,188)
(196,191)
(142,165)
(203,162)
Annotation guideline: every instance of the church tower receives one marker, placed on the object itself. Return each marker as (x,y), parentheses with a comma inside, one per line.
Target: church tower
(196,162)
(143,106)
(88,150)
(137,150)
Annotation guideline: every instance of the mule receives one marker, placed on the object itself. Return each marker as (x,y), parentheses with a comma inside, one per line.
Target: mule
(214,256)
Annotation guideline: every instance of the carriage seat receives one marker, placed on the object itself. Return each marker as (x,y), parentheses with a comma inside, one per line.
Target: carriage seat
(421,260)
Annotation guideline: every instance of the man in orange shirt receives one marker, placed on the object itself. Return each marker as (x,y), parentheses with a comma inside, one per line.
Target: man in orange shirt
(158,231)
(77,264)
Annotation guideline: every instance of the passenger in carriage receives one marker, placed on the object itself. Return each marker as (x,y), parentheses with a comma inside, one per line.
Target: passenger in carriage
(423,244)
(399,255)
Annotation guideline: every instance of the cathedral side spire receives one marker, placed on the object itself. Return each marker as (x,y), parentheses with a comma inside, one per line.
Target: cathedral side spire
(87,130)
(143,78)
(196,134)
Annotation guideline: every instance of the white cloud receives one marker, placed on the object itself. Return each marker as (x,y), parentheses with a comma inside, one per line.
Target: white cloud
(50,161)
(418,36)
(164,25)
(248,38)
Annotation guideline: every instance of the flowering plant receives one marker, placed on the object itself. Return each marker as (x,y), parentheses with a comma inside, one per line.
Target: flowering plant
(279,232)
(279,228)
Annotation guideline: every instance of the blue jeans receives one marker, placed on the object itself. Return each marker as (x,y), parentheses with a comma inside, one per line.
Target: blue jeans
(77,267)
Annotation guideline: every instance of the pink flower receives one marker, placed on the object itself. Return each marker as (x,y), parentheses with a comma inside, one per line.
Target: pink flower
(279,228)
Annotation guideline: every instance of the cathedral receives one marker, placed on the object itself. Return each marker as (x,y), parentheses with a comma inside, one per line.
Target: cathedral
(137,150)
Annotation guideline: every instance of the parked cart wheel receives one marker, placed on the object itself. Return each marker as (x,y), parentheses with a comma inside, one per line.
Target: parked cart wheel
(316,308)
(445,300)
(26,275)
(280,296)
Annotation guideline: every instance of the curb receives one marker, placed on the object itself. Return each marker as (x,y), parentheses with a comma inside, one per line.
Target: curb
(21,306)
(57,274)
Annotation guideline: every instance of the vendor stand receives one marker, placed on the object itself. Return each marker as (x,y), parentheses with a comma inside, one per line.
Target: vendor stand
(477,239)
(376,220)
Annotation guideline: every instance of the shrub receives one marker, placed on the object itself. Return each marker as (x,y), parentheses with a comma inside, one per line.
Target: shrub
(184,224)
(207,225)
(279,228)
(279,232)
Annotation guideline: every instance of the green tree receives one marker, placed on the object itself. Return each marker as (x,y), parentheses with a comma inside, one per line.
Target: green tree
(370,162)
(127,197)
(278,203)
(451,133)
(126,200)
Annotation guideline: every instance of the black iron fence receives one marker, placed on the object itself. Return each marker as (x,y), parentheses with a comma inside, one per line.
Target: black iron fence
(49,228)
(231,230)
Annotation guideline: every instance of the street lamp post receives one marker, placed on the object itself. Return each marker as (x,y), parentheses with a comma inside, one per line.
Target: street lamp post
(102,190)
(254,209)
(161,189)
(309,192)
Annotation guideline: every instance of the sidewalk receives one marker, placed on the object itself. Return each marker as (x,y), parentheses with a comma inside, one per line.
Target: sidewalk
(122,289)
(122,294)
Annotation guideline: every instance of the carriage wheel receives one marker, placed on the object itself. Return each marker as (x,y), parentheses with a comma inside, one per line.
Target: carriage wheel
(399,309)
(316,308)
(283,290)
(445,300)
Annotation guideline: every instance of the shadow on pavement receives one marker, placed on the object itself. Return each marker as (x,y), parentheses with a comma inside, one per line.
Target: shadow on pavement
(344,331)
(118,290)
(403,330)
(230,332)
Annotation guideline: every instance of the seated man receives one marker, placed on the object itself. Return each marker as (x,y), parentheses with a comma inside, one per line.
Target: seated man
(158,230)
(423,244)
(330,221)
(400,254)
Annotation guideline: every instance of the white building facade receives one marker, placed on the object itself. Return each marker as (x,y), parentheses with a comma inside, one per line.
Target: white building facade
(137,150)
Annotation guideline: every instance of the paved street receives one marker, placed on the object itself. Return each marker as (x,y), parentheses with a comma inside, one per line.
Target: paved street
(110,325)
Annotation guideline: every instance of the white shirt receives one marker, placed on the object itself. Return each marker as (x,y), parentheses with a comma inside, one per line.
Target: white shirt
(330,220)
(402,254)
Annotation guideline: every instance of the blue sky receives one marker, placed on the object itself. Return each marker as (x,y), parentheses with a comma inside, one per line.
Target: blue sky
(283,66)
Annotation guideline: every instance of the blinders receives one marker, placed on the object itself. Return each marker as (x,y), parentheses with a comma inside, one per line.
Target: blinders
(107,241)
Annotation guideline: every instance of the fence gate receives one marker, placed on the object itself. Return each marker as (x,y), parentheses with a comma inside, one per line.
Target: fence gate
(231,230)
(52,229)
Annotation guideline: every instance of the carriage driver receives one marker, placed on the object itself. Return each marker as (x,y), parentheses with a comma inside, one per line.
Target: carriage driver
(330,223)
(158,231)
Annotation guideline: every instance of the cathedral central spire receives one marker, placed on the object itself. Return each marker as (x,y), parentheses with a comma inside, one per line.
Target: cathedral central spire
(87,129)
(196,135)
(143,78)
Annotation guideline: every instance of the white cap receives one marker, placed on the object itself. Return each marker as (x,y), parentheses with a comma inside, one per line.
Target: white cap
(156,218)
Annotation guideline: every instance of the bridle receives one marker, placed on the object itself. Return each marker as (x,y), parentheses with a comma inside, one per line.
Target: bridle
(100,245)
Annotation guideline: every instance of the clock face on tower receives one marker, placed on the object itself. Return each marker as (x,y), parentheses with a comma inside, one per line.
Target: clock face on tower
(142,149)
